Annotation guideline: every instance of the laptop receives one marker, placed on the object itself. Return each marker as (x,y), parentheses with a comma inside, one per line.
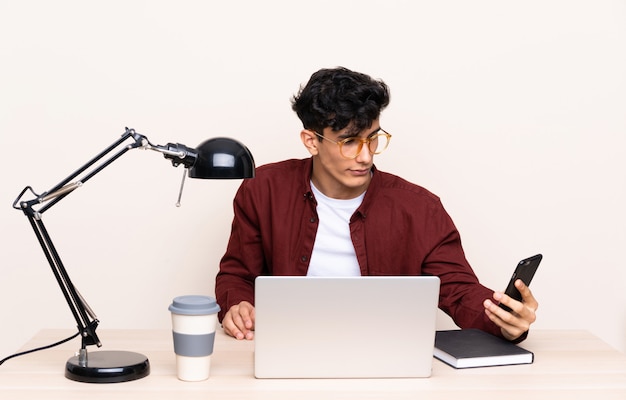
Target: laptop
(345,327)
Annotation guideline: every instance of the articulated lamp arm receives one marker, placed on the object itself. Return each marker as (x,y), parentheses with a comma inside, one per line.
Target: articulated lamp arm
(86,320)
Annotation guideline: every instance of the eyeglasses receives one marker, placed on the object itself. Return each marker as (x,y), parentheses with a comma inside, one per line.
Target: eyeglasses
(351,147)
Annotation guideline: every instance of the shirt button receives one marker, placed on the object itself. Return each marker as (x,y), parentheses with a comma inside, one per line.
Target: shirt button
(304,258)
(313,219)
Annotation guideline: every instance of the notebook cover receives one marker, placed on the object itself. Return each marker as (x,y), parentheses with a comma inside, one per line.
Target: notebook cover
(468,348)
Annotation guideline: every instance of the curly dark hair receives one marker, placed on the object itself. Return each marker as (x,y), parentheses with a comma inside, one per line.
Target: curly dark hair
(338,98)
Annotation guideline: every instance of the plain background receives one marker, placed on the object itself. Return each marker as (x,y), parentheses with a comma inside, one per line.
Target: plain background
(514,113)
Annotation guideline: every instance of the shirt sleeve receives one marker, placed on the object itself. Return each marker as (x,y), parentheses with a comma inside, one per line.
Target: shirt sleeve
(461,294)
(243,260)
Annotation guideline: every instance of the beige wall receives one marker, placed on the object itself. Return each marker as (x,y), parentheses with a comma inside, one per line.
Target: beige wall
(512,112)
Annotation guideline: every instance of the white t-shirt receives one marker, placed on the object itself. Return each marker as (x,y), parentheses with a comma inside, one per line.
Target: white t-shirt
(333,251)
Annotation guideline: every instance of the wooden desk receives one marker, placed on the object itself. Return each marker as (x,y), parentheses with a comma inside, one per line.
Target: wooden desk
(568,365)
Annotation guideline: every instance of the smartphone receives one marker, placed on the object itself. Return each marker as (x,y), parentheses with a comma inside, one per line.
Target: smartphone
(525,271)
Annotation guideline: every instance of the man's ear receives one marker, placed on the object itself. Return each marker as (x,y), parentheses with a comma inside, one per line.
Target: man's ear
(310,141)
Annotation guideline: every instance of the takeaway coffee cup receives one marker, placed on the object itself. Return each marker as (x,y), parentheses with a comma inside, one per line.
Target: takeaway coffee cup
(194,319)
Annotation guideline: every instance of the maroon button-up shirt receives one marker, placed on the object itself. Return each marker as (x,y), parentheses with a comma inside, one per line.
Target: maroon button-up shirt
(399,229)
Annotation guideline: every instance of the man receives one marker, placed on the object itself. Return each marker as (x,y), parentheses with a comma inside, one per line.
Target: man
(336,214)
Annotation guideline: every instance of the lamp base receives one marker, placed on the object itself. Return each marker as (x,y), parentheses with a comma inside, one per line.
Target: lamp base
(108,367)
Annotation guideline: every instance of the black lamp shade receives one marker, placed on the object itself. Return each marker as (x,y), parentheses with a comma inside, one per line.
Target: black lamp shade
(222,158)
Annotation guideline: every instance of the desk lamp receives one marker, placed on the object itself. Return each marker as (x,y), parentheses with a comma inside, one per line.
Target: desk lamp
(217,158)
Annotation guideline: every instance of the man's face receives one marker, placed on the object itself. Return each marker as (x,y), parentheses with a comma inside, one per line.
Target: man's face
(339,177)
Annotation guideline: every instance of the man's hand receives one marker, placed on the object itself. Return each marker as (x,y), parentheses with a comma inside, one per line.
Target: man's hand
(239,321)
(516,322)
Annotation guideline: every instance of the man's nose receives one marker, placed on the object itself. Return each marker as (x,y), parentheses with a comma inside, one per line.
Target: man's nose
(365,155)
